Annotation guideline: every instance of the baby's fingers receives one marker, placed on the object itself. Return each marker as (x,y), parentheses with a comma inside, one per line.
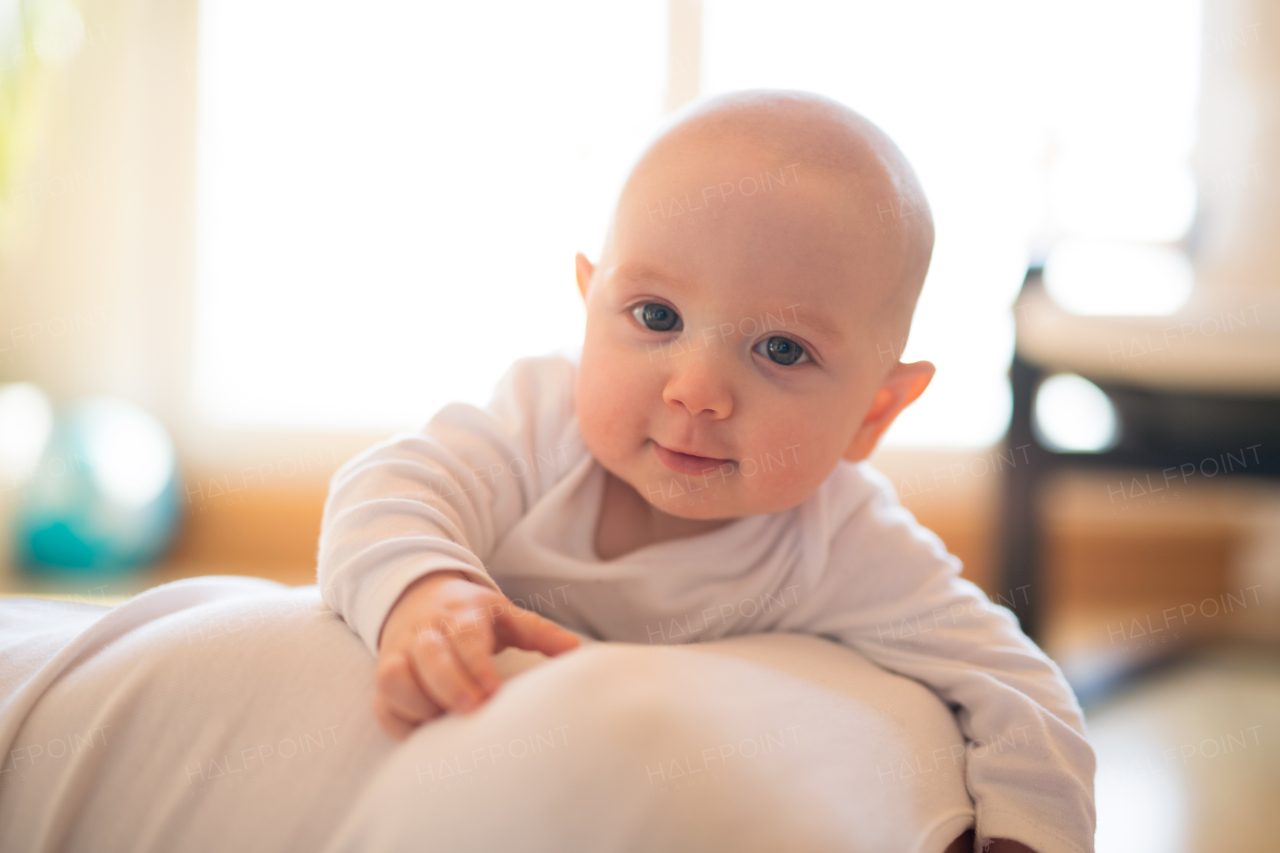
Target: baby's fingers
(391,724)
(525,629)
(445,677)
(400,703)
(474,647)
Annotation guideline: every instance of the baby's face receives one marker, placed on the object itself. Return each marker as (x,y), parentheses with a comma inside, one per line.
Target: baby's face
(730,358)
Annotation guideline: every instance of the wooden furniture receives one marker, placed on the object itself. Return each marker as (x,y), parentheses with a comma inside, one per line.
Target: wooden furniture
(1200,427)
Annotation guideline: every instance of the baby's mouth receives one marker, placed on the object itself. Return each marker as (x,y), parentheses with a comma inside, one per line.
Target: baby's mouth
(687,463)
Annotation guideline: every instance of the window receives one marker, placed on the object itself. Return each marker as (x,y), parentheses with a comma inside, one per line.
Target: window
(391,194)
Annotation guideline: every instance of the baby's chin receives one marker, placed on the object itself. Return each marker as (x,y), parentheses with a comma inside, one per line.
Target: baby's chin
(696,499)
(681,495)
(701,507)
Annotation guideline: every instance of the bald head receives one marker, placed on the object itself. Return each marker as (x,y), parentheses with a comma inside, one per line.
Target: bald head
(764,250)
(867,185)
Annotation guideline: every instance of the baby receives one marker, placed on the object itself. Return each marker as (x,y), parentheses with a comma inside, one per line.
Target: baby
(704,452)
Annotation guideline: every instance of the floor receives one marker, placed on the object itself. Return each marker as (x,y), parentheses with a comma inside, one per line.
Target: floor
(1189,756)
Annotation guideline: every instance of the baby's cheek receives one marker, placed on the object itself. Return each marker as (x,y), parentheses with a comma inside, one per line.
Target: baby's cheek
(775,488)
(606,413)
(787,467)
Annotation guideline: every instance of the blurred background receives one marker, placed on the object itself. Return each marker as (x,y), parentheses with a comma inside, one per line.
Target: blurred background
(242,240)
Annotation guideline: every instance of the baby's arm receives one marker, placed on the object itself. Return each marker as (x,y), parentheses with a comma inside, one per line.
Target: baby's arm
(435,650)
(439,500)
(892,592)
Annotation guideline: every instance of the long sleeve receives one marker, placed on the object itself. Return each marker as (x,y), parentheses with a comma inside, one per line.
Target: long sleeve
(442,498)
(891,591)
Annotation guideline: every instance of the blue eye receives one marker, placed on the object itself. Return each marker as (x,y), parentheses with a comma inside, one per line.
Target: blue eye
(782,350)
(656,316)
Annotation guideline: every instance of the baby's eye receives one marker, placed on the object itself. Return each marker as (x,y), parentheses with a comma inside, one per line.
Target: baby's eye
(782,350)
(656,316)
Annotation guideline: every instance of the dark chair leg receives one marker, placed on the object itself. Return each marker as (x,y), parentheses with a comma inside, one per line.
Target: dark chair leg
(1020,522)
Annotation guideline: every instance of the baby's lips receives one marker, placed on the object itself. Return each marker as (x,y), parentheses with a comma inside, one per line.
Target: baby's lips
(685,463)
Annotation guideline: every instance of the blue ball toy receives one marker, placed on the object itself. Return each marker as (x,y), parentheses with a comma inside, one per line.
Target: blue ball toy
(104,495)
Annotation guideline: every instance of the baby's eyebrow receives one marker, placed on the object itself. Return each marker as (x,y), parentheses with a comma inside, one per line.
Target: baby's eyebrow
(820,325)
(641,271)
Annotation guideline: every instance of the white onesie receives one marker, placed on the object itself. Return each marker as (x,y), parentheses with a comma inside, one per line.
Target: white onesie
(510,494)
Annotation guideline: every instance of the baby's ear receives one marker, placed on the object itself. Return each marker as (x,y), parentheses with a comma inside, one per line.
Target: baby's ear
(900,388)
(585,271)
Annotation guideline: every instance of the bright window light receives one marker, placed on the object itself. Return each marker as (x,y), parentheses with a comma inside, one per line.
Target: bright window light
(1105,277)
(1073,415)
(391,194)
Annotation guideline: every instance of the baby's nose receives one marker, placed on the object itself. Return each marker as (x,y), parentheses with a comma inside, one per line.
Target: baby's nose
(699,386)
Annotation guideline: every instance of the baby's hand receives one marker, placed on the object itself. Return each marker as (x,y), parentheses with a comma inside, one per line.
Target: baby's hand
(436,648)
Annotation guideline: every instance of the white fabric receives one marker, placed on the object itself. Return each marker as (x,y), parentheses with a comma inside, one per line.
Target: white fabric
(509,494)
(228,714)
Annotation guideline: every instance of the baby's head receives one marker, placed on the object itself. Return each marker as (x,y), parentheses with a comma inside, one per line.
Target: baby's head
(767,249)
